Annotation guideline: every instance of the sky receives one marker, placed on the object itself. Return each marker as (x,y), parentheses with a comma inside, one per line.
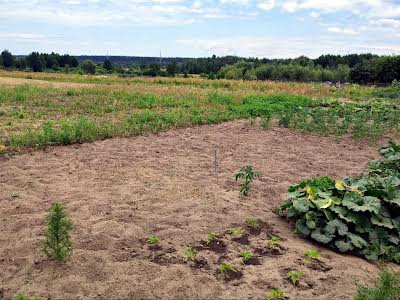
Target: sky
(182,28)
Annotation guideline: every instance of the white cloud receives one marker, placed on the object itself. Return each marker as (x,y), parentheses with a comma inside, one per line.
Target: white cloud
(266,5)
(342,30)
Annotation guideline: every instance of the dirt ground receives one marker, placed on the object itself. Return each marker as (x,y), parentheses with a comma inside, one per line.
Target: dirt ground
(121,191)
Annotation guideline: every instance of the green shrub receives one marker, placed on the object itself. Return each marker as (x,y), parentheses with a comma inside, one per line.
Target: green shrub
(248,174)
(359,214)
(387,287)
(58,243)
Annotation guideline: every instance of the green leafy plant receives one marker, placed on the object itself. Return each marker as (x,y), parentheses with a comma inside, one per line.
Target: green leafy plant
(387,287)
(273,242)
(227,269)
(190,254)
(246,256)
(237,232)
(58,244)
(294,276)
(276,294)
(153,240)
(357,214)
(252,222)
(312,254)
(248,174)
(211,237)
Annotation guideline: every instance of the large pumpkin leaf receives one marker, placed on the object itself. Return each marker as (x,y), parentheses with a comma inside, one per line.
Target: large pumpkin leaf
(336,226)
(302,228)
(321,236)
(322,203)
(346,214)
(382,221)
(356,202)
(344,245)
(357,241)
(301,205)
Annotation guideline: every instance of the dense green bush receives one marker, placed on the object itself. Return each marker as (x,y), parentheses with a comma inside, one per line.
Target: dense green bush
(359,214)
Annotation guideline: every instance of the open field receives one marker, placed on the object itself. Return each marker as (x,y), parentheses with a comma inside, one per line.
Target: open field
(121,191)
(37,110)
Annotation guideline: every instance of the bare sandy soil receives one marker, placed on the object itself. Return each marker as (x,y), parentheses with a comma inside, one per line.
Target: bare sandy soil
(121,191)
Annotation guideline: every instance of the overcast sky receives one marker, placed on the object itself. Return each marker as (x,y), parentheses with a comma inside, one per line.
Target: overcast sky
(263,28)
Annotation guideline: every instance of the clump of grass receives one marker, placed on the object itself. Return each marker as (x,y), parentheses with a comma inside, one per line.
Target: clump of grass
(227,269)
(248,174)
(312,255)
(190,254)
(275,294)
(246,256)
(273,242)
(211,238)
(58,244)
(237,232)
(294,276)
(387,287)
(252,222)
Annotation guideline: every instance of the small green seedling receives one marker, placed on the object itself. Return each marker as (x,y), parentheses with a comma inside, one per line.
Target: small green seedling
(312,254)
(294,276)
(211,237)
(252,222)
(246,256)
(273,242)
(23,297)
(153,240)
(237,232)
(227,269)
(190,254)
(276,294)
(58,243)
(248,174)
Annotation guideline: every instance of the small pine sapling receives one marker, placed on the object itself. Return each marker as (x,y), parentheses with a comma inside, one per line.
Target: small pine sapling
(58,243)
(190,254)
(294,276)
(248,174)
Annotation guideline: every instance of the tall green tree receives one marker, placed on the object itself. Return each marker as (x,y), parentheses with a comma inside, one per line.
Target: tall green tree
(108,65)
(8,59)
(36,62)
(88,67)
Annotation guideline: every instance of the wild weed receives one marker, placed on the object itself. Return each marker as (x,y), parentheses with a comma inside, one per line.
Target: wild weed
(227,269)
(237,232)
(273,242)
(190,254)
(211,238)
(252,222)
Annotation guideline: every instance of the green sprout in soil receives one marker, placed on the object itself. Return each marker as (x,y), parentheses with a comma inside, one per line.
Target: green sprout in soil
(294,276)
(211,238)
(275,294)
(252,222)
(312,254)
(273,242)
(237,232)
(246,256)
(190,254)
(58,243)
(248,174)
(227,269)
(23,297)
(153,240)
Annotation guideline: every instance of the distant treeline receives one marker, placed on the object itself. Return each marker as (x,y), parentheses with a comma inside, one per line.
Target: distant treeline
(356,68)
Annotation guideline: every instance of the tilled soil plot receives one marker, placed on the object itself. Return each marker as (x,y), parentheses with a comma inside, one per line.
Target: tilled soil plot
(119,192)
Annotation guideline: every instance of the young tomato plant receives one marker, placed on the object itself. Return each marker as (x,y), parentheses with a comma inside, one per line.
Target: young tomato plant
(248,174)
(294,276)
(190,254)
(246,256)
(153,240)
(312,254)
(273,242)
(211,238)
(275,294)
(252,222)
(237,232)
(227,269)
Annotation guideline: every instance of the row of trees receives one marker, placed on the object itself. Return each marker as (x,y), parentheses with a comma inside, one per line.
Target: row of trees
(357,68)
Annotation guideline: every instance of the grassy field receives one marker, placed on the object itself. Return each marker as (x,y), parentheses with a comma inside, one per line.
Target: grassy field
(43,109)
